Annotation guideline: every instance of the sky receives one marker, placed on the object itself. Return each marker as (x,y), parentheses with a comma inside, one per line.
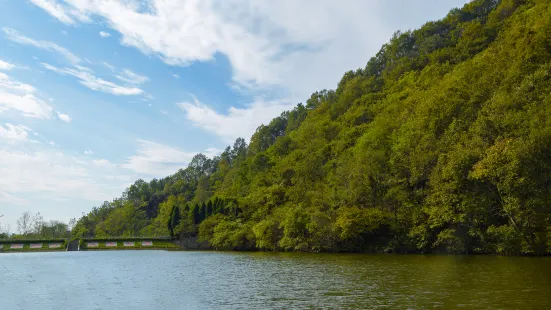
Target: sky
(95,94)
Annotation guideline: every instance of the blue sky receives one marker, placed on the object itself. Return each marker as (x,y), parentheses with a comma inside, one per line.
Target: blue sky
(95,94)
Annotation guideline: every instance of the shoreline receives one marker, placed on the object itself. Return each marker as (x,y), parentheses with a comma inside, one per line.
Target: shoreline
(181,249)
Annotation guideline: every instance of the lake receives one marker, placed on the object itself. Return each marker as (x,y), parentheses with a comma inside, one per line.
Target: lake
(230,280)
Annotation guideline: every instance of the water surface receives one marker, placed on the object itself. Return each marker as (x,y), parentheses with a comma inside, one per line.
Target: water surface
(228,280)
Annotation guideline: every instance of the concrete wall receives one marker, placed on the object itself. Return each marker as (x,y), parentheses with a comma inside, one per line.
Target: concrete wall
(32,245)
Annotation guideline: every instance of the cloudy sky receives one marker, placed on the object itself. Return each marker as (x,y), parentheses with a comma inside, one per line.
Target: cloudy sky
(95,94)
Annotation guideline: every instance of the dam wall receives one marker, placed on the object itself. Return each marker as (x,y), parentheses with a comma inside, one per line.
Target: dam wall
(33,245)
(90,244)
(127,244)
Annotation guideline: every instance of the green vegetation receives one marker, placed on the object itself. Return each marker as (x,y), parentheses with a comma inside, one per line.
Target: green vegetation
(442,143)
(174,221)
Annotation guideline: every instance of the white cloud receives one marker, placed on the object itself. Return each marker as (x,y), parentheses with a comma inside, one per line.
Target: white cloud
(43,178)
(63,13)
(11,199)
(108,66)
(48,171)
(102,162)
(15,36)
(267,43)
(237,122)
(212,151)
(5,65)
(20,97)
(64,117)
(131,77)
(54,9)
(286,48)
(7,83)
(273,46)
(104,34)
(88,152)
(82,68)
(14,133)
(148,97)
(30,169)
(154,159)
(94,83)
(176,76)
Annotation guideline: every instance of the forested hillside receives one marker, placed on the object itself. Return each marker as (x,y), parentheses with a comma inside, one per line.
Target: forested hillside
(441,143)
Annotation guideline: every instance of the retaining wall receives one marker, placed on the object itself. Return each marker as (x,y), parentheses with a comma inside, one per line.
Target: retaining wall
(32,245)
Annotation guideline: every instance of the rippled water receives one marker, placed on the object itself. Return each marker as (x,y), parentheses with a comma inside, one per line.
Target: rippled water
(215,280)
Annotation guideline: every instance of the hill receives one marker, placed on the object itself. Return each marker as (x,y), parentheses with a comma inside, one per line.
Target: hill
(441,143)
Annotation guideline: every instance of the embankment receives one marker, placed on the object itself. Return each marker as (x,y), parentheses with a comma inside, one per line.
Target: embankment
(36,245)
(128,244)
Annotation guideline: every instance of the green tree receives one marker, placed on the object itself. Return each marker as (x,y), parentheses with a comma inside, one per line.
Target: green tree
(209,210)
(174,221)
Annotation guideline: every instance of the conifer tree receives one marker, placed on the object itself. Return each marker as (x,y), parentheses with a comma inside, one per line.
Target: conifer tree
(209,208)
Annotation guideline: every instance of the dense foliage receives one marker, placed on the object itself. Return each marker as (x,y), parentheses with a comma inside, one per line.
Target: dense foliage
(441,143)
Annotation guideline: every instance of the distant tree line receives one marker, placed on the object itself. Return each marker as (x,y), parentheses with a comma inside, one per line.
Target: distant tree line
(35,227)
